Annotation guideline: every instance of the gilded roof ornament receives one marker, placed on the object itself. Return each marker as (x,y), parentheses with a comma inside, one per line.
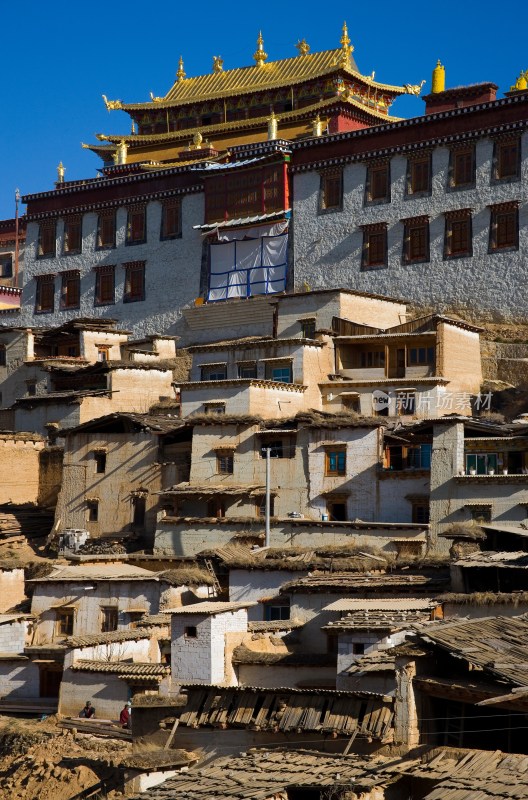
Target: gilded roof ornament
(197,140)
(303,47)
(218,64)
(346,48)
(521,83)
(411,88)
(155,99)
(112,105)
(61,169)
(180,75)
(259,55)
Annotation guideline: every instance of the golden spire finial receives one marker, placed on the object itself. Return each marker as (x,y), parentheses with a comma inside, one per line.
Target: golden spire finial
(521,83)
(180,75)
(259,55)
(303,47)
(438,81)
(218,64)
(346,48)
(61,169)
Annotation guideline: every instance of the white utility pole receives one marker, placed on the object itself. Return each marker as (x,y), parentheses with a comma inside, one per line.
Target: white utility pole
(268,496)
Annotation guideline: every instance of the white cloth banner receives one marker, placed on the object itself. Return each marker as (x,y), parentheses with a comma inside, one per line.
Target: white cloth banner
(229,235)
(245,267)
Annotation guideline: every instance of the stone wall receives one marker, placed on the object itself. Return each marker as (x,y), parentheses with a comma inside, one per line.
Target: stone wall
(11,588)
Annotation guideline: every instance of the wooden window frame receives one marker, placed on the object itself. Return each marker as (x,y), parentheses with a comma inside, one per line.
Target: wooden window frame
(331,191)
(106,230)
(134,291)
(261,506)
(70,290)
(416,184)
(454,219)
(373,194)
(456,173)
(105,285)
(504,214)
(249,367)
(6,265)
(380,259)
(136,231)
(339,454)
(109,619)
(409,254)
(500,173)
(213,372)
(62,616)
(225,462)
(420,508)
(72,236)
(171,220)
(47,239)
(308,326)
(45,283)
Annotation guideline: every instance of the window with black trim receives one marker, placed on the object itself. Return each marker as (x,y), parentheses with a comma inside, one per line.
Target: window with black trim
(136,225)
(106,230)
(420,512)
(247,369)
(419,175)
(331,191)
(279,372)
(70,289)
(171,220)
(420,356)
(45,296)
(105,285)
(134,282)
(72,242)
(92,510)
(462,168)
(308,328)
(109,618)
(416,240)
(374,246)
(458,234)
(378,185)
(213,372)
(47,239)
(507,159)
(6,265)
(504,227)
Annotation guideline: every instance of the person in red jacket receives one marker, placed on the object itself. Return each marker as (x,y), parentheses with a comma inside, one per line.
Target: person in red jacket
(125,717)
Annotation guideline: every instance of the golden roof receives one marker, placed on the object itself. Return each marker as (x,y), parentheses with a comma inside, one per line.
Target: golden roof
(271,75)
(221,127)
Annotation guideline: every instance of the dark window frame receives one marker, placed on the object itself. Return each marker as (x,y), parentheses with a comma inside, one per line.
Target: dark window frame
(136,233)
(410,226)
(168,209)
(109,619)
(47,236)
(44,281)
(416,184)
(101,275)
(104,218)
(225,462)
(72,239)
(131,293)
(498,165)
(374,257)
(373,193)
(501,241)
(331,191)
(458,171)
(70,297)
(453,224)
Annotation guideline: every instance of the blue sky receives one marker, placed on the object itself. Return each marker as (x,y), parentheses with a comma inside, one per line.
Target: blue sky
(59,57)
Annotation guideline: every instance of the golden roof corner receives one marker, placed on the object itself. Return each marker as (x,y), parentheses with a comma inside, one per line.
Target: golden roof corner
(112,105)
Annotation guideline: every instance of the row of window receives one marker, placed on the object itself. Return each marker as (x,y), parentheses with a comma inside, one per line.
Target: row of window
(279,372)
(458,236)
(461,174)
(335,458)
(105,279)
(415,357)
(136,229)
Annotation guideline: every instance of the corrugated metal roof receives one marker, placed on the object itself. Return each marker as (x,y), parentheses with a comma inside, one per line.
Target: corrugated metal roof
(375,604)
(210,607)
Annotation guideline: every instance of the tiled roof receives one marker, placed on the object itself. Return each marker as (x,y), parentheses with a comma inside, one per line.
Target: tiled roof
(122,668)
(343,582)
(375,604)
(107,638)
(156,619)
(209,607)
(384,620)
(98,572)
(157,423)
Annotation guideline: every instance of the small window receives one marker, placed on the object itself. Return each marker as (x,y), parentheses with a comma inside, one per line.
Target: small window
(462,168)
(215,408)
(190,632)
(106,230)
(504,227)
(105,285)
(458,235)
(377,189)
(31,388)
(507,160)
(139,508)
(136,225)
(275,613)
(351,402)
(72,242)
(214,372)
(134,282)
(100,462)
(247,370)
(331,195)
(109,619)
(281,373)
(261,507)
(275,446)
(103,353)
(335,461)
(47,239)
(405,403)
(337,510)
(419,176)
(6,266)
(420,512)
(224,462)
(358,648)
(65,620)
(417,356)
(374,247)
(92,510)
(171,220)
(70,290)
(308,328)
(45,296)
(480,514)
(416,241)
(216,507)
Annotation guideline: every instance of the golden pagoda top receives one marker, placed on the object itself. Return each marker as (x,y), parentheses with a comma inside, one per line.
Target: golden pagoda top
(261,76)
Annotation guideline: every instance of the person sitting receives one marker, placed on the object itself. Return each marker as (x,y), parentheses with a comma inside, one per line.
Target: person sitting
(88,712)
(125,717)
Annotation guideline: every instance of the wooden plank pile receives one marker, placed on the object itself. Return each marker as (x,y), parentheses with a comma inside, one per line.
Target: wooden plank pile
(28,521)
(97,727)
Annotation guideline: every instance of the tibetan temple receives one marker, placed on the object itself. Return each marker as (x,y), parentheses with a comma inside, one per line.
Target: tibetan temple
(203,117)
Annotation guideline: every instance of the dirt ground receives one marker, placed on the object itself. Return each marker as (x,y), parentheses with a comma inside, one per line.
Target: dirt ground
(39,760)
